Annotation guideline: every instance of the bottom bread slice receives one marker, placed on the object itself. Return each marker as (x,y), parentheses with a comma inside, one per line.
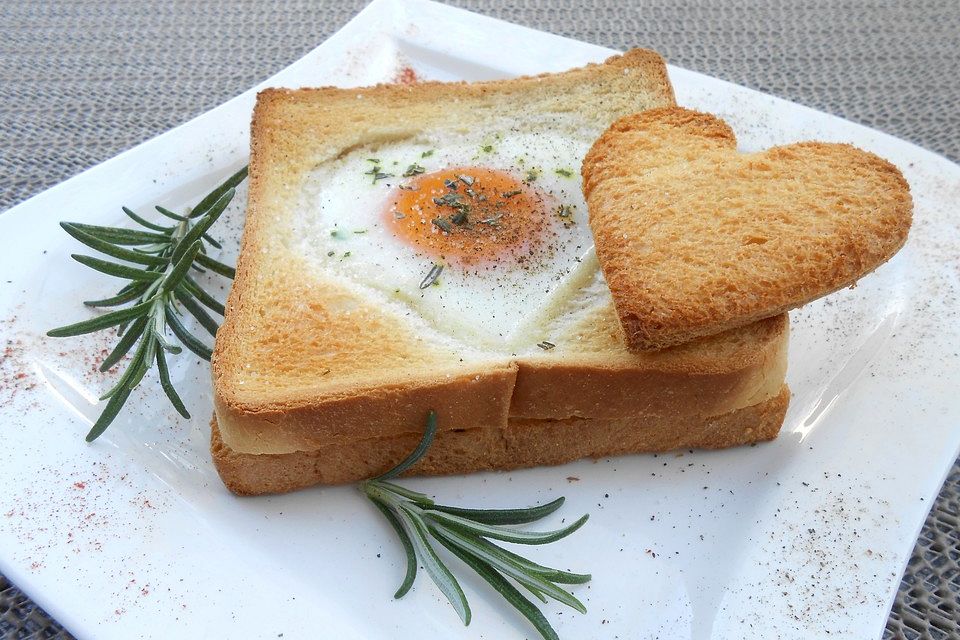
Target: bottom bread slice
(524,443)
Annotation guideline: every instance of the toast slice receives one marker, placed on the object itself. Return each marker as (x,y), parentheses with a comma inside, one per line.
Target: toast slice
(522,443)
(340,338)
(695,238)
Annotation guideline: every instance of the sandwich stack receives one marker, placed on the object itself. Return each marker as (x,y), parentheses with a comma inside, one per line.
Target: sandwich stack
(430,247)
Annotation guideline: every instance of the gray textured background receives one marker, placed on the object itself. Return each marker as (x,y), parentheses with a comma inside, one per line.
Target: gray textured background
(81,81)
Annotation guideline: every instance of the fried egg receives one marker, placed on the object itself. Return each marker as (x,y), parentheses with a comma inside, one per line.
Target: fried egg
(479,235)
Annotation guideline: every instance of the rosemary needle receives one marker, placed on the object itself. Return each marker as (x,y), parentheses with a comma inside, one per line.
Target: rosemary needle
(467,534)
(159,288)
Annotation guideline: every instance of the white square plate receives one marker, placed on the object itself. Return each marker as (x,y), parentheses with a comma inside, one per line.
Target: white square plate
(134,536)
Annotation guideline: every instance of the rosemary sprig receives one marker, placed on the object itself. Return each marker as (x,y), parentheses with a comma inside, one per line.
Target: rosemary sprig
(467,534)
(159,285)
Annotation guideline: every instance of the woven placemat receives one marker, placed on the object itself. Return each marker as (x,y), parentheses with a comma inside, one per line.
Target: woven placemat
(81,81)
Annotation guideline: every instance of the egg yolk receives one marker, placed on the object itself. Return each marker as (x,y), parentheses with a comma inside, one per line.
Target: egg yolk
(468,214)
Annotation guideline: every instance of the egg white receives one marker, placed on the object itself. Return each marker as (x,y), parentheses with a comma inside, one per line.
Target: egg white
(343,231)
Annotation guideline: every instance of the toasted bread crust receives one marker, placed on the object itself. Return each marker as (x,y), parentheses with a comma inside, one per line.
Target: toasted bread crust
(681,381)
(522,443)
(785,226)
(361,414)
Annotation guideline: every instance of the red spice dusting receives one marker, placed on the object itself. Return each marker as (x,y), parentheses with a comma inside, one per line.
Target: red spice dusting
(406,75)
(98,359)
(19,347)
(14,374)
(75,513)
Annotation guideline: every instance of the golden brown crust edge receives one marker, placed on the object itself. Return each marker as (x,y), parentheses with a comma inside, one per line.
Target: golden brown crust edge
(711,386)
(388,411)
(650,61)
(524,443)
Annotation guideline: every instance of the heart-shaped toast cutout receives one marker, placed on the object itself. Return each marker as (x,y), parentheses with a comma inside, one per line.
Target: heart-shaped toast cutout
(695,238)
